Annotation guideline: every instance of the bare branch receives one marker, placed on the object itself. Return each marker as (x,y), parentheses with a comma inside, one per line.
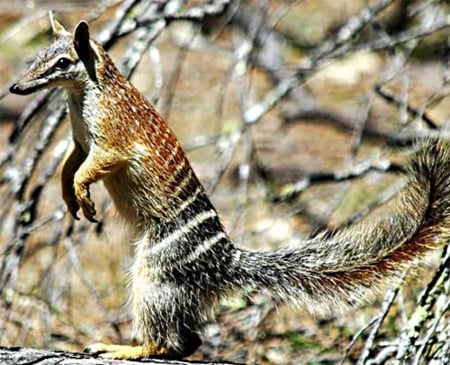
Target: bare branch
(16,356)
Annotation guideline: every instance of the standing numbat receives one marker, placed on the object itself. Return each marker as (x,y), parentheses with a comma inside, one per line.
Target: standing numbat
(184,260)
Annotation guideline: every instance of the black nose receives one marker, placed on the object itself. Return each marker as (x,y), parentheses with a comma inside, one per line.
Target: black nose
(14,89)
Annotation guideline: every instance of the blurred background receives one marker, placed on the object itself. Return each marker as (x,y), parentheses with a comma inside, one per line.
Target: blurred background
(297,116)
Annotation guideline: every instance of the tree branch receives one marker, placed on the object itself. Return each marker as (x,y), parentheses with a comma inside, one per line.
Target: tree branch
(25,356)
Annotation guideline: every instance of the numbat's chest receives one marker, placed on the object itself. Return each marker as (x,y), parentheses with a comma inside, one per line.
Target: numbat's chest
(81,117)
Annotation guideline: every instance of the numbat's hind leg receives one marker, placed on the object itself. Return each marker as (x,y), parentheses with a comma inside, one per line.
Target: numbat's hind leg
(124,352)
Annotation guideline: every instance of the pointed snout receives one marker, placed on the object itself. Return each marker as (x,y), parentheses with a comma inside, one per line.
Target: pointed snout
(16,89)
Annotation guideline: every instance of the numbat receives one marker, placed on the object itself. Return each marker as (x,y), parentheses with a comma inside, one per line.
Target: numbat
(185,261)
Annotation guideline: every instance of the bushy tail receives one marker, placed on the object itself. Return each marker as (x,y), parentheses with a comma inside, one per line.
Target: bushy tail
(330,274)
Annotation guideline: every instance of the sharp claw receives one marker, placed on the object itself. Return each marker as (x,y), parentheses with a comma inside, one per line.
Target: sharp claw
(89,213)
(73,213)
(92,219)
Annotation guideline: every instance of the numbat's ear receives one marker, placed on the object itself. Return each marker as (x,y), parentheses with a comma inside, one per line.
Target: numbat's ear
(81,41)
(57,28)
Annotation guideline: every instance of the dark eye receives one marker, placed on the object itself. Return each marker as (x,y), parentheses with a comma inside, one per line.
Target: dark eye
(63,63)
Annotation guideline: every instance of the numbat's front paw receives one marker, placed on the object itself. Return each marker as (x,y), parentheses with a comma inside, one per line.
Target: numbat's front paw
(123,352)
(71,203)
(88,208)
(85,202)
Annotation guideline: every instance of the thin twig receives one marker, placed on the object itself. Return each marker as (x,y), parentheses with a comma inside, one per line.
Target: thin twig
(389,96)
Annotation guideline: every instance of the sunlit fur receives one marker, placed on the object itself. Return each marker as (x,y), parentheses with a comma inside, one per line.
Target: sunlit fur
(184,260)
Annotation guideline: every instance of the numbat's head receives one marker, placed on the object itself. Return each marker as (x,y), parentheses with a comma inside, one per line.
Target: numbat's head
(69,61)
